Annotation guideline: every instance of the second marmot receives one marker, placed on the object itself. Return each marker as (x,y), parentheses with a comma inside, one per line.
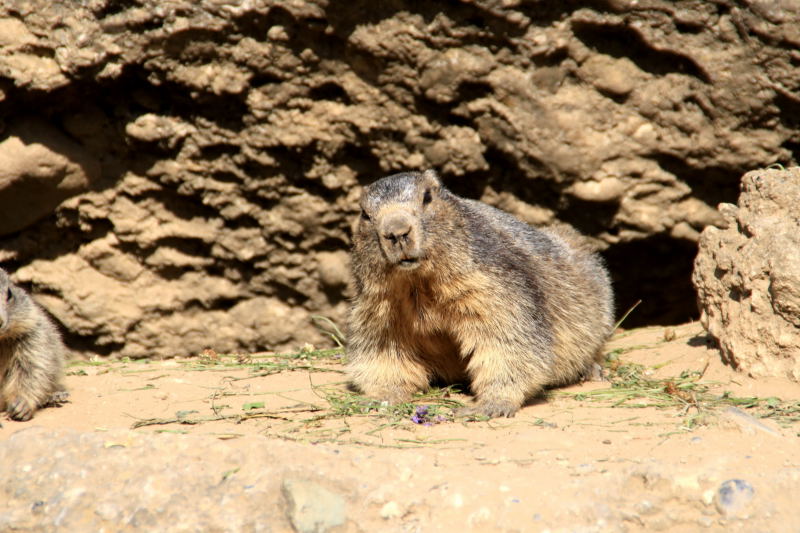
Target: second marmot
(452,290)
(31,354)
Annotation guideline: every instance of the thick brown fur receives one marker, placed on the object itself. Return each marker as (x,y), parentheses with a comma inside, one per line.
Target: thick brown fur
(454,290)
(31,354)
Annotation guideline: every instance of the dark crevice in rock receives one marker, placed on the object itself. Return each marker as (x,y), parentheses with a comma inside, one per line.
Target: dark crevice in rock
(656,270)
(691,28)
(438,112)
(789,110)
(53,237)
(504,174)
(330,91)
(224,176)
(217,304)
(623,41)
(186,245)
(113,7)
(712,185)
(287,293)
(553,59)
(256,25)
(182,206)
(590,218)
(360,158)
(334,295)
(472,90)
(794,148)
(194,46)
(242,221)
(331,244)
(215,151)
(90,345)
(171,272)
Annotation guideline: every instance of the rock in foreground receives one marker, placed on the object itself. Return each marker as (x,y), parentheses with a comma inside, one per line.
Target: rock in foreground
(748,276)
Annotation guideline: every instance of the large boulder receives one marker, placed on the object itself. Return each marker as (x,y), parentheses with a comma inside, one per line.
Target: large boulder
(747,276)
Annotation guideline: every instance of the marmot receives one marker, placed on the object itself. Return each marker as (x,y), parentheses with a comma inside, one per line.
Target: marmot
(453,290)
(31,354)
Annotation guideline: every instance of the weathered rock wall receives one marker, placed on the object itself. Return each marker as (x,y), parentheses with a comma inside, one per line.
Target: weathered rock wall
(747,276)
(179,174)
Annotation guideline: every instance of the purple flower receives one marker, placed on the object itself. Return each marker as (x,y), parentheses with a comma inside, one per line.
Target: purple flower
(420,415)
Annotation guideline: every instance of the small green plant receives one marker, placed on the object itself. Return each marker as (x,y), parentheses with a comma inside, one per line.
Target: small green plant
(632,387)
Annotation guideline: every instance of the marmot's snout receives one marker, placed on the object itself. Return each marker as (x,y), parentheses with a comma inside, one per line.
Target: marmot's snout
(399,237)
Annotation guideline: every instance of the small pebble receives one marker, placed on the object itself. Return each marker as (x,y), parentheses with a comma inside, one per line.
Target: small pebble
(481,515)
(457,500)
(733,498)
(390,510)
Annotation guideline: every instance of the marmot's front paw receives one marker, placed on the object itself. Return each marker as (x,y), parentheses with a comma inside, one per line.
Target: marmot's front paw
(20,409)
(492,409)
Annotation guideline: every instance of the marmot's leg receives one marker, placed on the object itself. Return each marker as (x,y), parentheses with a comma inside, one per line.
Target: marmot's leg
(501,381)
(26,387)
(386,375)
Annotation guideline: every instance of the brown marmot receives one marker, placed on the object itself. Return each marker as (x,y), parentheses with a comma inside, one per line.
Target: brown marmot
(453,290)
(31,354)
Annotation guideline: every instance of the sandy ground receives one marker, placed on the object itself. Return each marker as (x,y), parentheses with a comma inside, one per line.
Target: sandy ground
(531,472)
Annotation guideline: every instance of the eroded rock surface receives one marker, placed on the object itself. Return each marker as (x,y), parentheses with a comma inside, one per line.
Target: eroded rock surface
(748,276)
(223,144)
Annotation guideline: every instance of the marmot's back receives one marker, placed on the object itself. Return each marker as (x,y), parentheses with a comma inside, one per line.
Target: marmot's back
(452,288)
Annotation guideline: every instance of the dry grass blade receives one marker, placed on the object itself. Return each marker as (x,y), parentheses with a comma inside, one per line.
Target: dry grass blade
(631,387)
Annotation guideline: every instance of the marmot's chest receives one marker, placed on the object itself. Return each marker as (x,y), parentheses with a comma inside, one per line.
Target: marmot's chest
(436,303)
(422,309)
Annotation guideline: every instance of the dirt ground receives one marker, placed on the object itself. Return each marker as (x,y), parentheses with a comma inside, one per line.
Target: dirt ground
(649,453)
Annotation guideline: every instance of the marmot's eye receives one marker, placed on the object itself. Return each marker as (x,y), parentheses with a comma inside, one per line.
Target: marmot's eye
(426,198)
(364,215)
(9,295)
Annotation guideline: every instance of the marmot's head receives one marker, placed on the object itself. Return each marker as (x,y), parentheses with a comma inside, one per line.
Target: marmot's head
(14,303)
(398,213)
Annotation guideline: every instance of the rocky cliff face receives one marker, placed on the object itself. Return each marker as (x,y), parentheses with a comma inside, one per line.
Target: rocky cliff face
(176,175)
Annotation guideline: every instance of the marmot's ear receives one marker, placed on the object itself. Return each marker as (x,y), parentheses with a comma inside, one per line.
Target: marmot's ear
(431,179)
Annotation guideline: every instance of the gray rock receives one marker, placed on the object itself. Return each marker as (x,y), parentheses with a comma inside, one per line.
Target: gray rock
(311,507)
(733,498)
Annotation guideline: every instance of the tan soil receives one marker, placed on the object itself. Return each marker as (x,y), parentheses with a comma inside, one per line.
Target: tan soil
(559,463)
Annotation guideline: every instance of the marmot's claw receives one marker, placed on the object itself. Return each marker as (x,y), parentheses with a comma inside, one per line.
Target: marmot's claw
(495,409)
(19,409)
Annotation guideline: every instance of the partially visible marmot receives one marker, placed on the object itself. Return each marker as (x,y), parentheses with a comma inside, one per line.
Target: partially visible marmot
(454,290)
(31,354)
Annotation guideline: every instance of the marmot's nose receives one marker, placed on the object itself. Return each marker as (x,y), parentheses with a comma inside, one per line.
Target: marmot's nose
(395,228)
